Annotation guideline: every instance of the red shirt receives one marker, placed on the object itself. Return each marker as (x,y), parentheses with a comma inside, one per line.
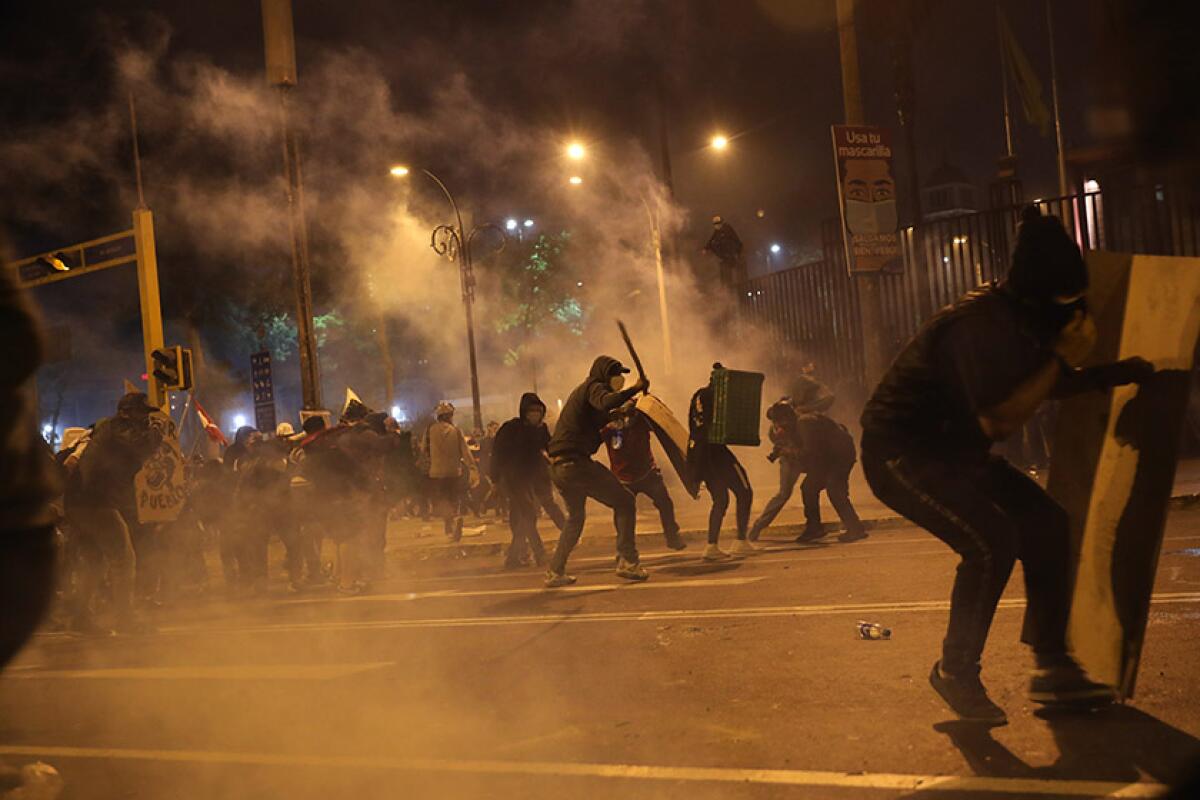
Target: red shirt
(629,453)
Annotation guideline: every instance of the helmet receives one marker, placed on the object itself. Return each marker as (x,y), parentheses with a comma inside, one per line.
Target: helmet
(443,409)
(283,430)
(717,219)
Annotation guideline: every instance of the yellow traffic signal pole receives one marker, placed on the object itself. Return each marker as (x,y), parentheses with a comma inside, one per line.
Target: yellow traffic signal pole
(151,306)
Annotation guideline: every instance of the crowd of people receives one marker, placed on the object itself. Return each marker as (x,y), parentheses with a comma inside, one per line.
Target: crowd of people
(327,492)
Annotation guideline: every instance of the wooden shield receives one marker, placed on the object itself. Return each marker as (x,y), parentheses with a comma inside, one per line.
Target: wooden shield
(672,436)
(1113,463)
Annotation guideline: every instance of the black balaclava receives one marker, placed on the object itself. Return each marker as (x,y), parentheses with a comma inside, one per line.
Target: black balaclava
(1048,274)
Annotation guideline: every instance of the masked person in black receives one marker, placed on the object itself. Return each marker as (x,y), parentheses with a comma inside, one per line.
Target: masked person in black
(576,439)
(814,445)
(973,375)
(518,462)
(721,472)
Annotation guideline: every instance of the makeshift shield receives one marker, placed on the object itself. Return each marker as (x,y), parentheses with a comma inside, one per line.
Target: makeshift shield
(672,436)
(1114,455)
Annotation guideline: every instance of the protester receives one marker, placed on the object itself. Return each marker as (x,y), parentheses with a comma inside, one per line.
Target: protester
(450,460)
(720,471)
(103,504)
(814,445)
(518,461)
(627,439)
(971,376)
(576,439)
(27,484)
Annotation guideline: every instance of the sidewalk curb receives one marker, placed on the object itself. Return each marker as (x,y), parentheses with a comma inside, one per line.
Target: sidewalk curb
(463,550)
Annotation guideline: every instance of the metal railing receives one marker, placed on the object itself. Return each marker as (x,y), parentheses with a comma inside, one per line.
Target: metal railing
(813,308)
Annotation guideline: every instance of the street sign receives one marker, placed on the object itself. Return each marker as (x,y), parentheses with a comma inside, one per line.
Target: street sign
(862,155)
(263,388)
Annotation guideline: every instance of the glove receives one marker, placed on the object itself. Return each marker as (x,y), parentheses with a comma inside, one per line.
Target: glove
(1120,373)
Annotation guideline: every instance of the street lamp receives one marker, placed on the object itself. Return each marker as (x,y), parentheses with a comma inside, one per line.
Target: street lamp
(510,224)
(719,142)
(576,151)
(574,180)
(457,244)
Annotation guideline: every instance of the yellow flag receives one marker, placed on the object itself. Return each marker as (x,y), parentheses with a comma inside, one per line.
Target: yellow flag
(1023,76)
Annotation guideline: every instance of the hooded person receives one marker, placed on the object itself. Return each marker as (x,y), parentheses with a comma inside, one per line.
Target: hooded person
(519,466)
(103,503)
(971,376)
(823,451)
(576,439)
(718,468)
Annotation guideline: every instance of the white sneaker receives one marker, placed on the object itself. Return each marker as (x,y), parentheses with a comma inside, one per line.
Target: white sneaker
(741,547)
(714,553)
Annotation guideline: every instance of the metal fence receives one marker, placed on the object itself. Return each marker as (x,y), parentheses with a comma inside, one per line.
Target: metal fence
(813,308)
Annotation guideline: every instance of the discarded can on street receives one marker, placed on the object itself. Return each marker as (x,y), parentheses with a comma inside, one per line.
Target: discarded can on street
(873,631)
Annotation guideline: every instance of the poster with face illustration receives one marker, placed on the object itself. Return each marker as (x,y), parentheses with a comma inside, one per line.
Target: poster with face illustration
(867,194)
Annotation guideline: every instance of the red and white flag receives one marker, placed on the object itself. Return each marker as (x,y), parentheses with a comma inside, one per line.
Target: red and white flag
(210,427)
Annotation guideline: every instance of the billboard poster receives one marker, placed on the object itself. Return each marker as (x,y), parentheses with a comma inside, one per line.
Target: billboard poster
(867,196)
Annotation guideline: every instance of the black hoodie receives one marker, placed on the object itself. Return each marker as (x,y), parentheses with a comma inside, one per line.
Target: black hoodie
(517,453)
(586,411)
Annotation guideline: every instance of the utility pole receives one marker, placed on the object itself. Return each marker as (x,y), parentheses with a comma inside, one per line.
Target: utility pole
(280,46)
(870,297)
(1058,136)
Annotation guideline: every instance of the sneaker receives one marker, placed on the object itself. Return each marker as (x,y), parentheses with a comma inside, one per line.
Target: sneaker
(742,547)
(714,553)
(966,696)
(1066,684)
(811,534)
(631,571)
(556,579)
(675,542)
(856,535)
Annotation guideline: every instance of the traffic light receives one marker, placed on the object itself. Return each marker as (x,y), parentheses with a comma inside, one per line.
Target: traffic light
(54,262)
(173,368)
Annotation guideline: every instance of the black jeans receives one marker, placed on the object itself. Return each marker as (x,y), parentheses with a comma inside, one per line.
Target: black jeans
(578,480)
(722,475)
(27,558)
(653,486)
(543,489)
(991,514)
(834,480)
(522,520)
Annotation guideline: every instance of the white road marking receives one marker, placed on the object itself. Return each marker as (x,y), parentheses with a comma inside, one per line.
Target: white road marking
(220,672)
(444,594)
(555,769)
(918,606)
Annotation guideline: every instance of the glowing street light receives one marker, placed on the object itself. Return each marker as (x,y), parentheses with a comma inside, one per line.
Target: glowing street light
(719,142)
(510,224)
(528,223)
(574,180)
(399,171)
(576,151)
(775,249)
(239,420)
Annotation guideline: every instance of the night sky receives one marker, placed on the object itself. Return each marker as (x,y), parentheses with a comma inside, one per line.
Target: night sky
(767,73)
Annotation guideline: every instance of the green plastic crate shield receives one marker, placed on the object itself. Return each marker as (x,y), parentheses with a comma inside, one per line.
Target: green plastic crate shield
(737,407)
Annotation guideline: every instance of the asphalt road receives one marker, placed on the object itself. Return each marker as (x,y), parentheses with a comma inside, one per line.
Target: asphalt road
(736,680)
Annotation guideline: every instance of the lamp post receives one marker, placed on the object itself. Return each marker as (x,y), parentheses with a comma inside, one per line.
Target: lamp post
(456,244)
